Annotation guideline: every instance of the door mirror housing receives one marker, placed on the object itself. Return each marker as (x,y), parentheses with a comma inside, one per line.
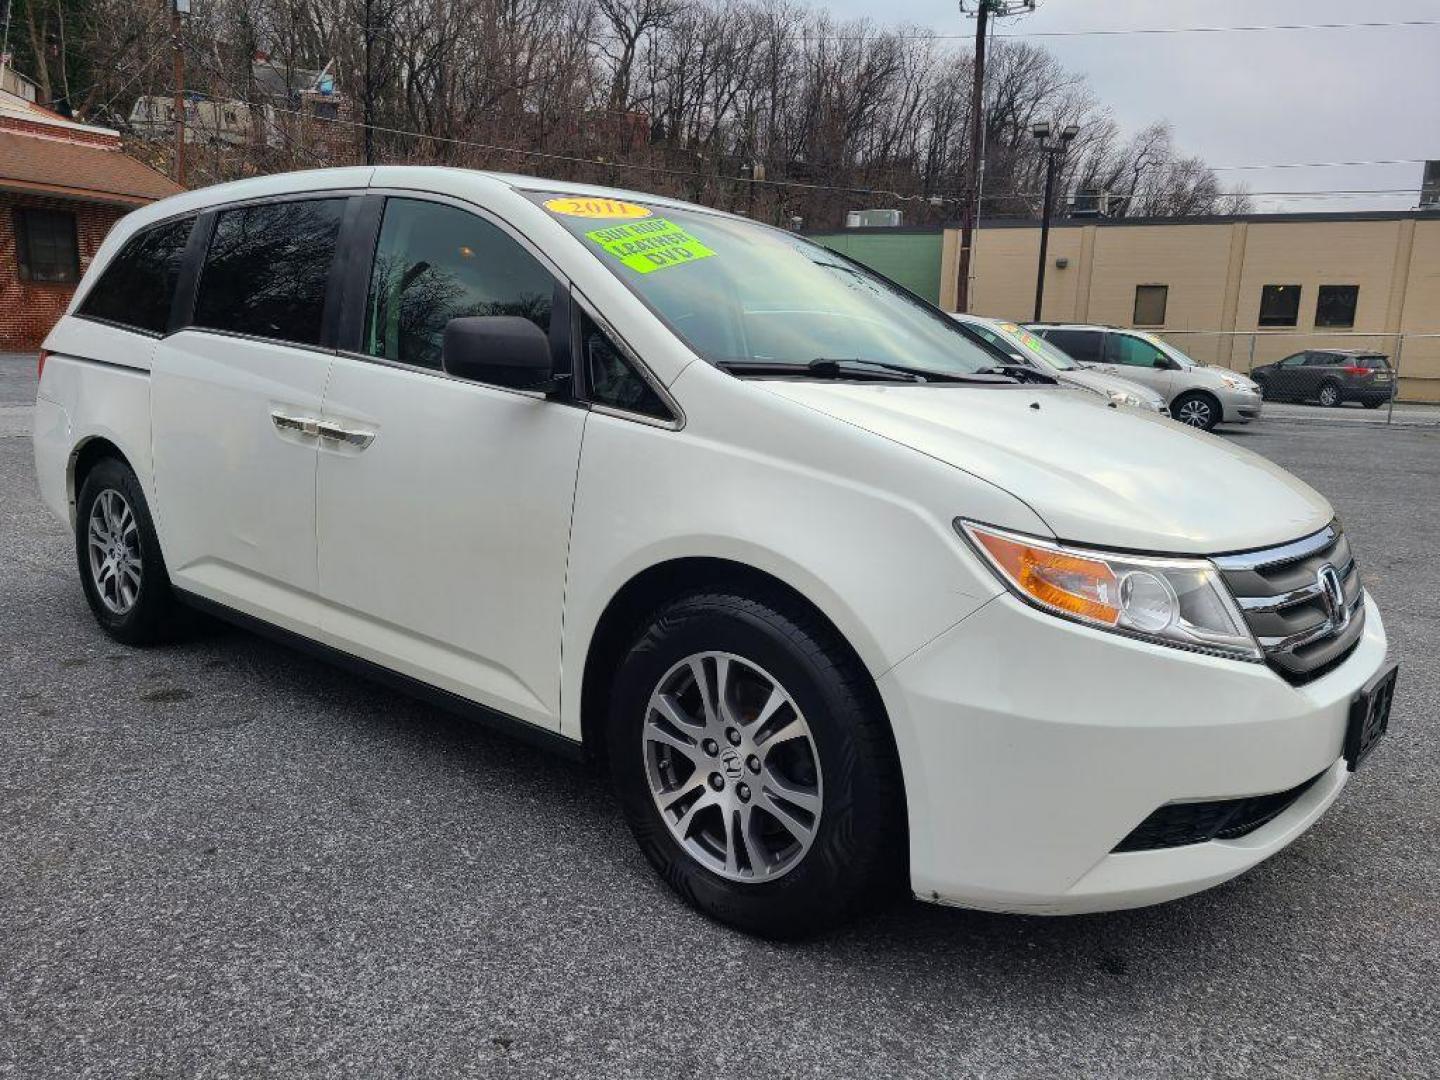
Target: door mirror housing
(503,350)
(1166,363)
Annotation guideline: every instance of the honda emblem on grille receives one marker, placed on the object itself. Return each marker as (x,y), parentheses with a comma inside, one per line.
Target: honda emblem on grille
(1332,593)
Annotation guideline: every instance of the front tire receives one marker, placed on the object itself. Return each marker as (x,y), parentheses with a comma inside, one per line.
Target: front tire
(1197,410)
(121,568)
(1330,395)
(755,766)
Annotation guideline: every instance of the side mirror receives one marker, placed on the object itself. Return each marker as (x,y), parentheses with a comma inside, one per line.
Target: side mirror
(504,350)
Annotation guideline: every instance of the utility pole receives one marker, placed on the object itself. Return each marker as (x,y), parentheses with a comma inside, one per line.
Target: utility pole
(178,8)
(1054,152)
(368,96)
(975,164)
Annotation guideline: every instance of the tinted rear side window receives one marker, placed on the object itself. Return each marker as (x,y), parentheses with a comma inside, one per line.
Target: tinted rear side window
(267,270)
(1082,345)
(136,288)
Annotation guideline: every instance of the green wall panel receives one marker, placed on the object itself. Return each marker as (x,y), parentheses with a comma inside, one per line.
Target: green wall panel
(912,259)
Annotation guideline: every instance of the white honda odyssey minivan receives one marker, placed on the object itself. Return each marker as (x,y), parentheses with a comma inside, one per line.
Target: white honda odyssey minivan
(842,607)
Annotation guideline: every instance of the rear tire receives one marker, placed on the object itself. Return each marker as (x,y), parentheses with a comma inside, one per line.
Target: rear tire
(725,833)
(1196,409)
(1372,403)
(1329,395)
(121,568)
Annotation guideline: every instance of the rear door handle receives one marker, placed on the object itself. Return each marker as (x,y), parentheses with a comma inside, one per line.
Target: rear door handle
(349,436)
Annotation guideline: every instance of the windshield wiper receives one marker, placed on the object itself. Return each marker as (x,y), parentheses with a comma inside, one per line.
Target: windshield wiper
(1023,372)
(835,368)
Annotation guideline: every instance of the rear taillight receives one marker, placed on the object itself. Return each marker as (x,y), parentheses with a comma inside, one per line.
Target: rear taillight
(1358,371)
(40,365)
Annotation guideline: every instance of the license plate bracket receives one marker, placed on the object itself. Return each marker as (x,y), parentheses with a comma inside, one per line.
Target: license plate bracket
(1369,716)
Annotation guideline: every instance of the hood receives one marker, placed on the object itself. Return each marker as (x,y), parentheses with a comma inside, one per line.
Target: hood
(1102,383)
(1119,478)
(1215,371)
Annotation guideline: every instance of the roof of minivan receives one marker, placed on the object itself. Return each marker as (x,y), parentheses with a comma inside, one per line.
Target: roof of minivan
(1077,326)
(360,176)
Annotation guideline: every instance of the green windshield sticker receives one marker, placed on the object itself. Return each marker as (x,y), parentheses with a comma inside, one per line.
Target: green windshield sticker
(650,245)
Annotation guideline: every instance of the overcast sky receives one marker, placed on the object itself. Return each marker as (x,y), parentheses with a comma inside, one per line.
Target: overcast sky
(1248,98)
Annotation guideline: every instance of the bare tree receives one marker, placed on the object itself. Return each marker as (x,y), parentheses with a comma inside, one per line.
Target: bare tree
(692,97)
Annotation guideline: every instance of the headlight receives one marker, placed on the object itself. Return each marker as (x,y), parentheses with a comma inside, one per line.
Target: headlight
(1123,397)
(1234,382)
(1179,602)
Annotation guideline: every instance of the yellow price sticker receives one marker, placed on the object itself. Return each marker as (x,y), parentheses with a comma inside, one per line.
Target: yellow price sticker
(596,208)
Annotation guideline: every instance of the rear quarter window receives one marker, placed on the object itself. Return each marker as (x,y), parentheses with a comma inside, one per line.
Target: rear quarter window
(135,290)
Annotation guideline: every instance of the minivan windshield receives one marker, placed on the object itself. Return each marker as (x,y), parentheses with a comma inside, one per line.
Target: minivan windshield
(1018,335)
(741,293)
(1170,351)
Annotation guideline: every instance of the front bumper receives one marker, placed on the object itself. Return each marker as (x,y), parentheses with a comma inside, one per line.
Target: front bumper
(1031,746)
(1239,406)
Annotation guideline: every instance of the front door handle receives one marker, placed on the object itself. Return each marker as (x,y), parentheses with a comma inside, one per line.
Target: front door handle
(308,426)
(332,432)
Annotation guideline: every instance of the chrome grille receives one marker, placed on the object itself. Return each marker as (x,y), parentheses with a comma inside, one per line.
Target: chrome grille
(1305,623)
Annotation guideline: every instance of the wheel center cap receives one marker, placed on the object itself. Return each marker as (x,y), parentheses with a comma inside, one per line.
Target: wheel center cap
(731,764)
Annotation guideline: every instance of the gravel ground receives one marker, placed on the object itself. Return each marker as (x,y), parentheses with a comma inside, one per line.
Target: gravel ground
(224,859)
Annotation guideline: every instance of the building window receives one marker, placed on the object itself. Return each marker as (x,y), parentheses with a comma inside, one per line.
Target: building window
(1335,305)
(1279,305)
(1150,305)
(45,245)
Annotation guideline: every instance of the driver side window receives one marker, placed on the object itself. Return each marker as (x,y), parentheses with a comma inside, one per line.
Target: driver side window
(435,263)
(1132,351)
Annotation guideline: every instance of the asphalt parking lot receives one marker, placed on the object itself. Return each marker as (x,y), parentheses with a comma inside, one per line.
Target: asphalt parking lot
(225,859)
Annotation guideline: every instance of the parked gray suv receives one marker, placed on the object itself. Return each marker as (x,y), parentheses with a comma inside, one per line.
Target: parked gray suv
(1329,376)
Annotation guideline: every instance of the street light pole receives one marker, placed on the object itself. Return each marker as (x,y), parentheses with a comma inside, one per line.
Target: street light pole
(1054,152)
(1044,234)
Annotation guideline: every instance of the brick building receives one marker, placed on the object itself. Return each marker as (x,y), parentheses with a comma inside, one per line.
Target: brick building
(62,186)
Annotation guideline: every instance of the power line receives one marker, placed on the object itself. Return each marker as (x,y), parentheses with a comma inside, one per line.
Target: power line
(1317,164)
(1141,30)
(1226,29)
(574,159)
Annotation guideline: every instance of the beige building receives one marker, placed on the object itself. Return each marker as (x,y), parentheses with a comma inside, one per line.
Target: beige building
(1232,291)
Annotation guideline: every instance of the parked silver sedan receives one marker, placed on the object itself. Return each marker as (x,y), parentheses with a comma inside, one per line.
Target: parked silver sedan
(1027,348)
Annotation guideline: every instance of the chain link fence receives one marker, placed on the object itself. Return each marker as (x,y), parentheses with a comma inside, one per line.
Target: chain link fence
(1377,378)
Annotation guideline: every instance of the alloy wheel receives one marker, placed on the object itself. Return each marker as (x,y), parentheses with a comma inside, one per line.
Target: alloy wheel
(113,542)
(732,767)
(1195,412)
(1329,396)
